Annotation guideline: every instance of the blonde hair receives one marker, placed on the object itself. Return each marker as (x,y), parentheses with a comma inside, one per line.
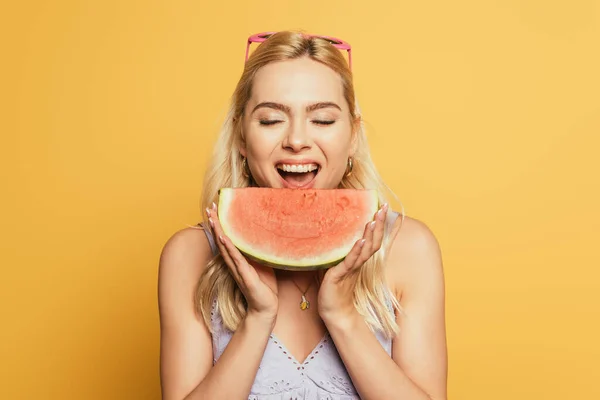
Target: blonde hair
(226,170)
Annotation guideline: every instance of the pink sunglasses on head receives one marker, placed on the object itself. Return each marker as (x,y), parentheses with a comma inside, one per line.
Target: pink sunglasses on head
(337,43)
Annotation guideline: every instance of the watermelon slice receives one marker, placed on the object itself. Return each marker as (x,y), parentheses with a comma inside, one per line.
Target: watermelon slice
(296,229)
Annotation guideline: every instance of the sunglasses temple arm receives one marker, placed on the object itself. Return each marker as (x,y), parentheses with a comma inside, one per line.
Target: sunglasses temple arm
(350,59)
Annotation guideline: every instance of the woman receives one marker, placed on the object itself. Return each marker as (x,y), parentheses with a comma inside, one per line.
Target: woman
(375,326)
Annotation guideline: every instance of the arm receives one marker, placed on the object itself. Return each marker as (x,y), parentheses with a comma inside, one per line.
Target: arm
(418,368)
(186,361)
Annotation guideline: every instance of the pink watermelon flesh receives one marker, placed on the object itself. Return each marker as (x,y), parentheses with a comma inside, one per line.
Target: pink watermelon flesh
(296,228)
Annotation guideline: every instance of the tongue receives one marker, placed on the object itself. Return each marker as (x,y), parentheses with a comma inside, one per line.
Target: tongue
(298,178)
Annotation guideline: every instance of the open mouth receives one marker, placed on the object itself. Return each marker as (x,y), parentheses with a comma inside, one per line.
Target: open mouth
(298,175)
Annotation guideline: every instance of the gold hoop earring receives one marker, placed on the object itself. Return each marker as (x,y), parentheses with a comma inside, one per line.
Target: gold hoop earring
(349,167)
(245,168)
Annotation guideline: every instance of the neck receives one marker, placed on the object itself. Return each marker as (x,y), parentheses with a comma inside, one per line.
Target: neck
(302,278)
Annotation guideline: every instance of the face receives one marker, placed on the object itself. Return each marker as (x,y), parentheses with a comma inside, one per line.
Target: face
(297,126)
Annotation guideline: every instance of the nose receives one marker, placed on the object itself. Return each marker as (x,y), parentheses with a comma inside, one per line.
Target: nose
(297,138)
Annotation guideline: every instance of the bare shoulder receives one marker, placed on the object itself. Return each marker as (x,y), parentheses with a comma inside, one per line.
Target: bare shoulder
(185,341)
(414,258)
(182,262)
(185,252)
(415,272)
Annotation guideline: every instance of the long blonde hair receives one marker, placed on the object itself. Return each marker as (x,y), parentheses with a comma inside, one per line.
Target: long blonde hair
(226,170)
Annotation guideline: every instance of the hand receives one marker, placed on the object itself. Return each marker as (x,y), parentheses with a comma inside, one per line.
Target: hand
(257,283)
(336,294)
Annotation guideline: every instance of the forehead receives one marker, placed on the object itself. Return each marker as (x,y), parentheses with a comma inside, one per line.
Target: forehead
(296,83)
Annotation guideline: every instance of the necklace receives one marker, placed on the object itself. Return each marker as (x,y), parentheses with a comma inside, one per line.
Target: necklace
(304,304)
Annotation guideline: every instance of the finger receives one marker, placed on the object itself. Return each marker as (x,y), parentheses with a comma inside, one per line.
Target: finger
(367,249)
(379,228)
(213,220)
(353,258)
(241,266)
(341,270)
(265,274)
(368,235)
(233,268)
(244,269)
(220,239)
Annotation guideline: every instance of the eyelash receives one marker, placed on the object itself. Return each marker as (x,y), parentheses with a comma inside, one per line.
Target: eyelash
(269,122)
(321,122)
(273,122)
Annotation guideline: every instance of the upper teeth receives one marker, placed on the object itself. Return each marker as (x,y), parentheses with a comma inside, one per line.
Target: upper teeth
(297,167)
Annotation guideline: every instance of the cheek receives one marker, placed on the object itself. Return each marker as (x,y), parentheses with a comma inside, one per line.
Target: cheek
(258,144)
(336,144)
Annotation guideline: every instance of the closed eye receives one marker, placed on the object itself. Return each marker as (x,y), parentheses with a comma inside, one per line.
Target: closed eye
(323,122)
(269,121)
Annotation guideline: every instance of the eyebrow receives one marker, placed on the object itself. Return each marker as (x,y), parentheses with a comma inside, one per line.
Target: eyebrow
(284,108)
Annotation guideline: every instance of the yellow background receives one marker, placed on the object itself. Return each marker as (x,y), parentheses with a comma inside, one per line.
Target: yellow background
(483,117)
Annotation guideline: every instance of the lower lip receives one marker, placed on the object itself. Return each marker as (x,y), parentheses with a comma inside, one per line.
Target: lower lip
(307,185)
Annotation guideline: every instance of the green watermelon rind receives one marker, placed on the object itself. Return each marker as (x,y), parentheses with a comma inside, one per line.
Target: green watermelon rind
(329,260)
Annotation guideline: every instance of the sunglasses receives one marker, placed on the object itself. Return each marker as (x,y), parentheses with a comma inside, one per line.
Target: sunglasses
(337,43)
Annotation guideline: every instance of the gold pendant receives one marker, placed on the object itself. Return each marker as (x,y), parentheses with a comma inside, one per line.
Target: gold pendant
(304,304)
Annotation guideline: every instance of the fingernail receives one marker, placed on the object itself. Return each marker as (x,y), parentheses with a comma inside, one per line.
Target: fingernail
(372,225)
(212,223)
(362,243)
(221,239)
(208,212)
(214,206)
(382,212)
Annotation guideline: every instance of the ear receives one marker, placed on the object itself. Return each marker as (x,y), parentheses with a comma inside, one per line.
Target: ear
(242,147)
(356,125)
(242,140)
